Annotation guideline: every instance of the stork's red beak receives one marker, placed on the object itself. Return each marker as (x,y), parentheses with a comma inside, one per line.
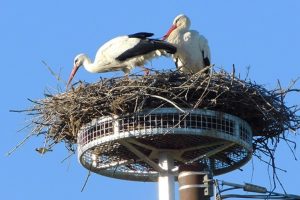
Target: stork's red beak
(74,70)
(173,27)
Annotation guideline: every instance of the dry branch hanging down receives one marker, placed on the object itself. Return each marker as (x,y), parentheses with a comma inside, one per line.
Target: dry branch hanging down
(60,116)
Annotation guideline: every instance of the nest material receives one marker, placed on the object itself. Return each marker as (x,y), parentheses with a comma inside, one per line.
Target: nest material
(62,115)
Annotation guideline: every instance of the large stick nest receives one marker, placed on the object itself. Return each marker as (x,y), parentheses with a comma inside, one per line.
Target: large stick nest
(60,116)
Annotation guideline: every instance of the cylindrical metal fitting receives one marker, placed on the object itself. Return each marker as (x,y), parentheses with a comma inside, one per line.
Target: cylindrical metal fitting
(194,184)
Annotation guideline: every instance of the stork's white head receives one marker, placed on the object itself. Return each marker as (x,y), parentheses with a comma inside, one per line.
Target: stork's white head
(181,22)
(78,62)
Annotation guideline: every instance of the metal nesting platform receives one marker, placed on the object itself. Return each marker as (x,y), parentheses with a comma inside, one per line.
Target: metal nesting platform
(130,147)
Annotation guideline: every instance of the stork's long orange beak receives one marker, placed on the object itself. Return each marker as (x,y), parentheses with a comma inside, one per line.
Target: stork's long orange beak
(173,27)
(74,70)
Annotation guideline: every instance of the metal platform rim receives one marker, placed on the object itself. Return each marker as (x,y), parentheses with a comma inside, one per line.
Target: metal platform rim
(245,143)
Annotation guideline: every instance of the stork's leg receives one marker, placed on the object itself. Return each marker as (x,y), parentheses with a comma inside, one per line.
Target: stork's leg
(179,64)
(176,63)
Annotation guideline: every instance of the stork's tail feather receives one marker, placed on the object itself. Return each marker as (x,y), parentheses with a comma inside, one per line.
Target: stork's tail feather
(163,45)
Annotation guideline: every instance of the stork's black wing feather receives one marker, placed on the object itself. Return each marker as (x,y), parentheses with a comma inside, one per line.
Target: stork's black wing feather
(141,35)
(205,60)
(146,46)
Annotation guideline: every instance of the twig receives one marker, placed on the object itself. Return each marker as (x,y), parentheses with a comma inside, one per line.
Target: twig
(57,77)
(71,154)
(86,180)
(167,100)
(20,144)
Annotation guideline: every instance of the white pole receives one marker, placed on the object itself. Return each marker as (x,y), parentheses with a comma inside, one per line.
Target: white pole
(166,180)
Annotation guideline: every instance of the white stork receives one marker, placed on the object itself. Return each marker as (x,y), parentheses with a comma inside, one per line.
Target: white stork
(193,53)
(122,53)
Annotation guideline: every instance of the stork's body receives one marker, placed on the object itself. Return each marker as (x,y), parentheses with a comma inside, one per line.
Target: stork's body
(193,53)
(122,53)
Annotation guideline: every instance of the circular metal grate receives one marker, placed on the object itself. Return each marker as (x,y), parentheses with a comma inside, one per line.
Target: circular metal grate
(127,147)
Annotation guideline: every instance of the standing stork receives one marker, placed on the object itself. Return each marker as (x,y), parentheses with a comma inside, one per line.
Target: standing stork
(122,53)
(193,53)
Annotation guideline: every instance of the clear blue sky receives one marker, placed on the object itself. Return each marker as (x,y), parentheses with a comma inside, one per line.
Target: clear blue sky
(261,34)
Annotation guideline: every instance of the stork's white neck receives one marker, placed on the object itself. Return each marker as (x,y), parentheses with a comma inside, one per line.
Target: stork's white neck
(89,66)
(177,35)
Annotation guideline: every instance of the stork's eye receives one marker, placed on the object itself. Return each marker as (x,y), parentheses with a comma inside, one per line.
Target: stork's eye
(76,61)
(177,20)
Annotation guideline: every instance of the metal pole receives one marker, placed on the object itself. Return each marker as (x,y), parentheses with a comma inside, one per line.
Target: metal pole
(166,179)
